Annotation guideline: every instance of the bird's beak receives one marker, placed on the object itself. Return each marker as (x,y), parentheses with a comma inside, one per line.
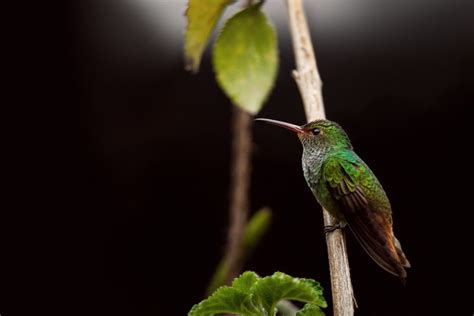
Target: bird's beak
(291,127)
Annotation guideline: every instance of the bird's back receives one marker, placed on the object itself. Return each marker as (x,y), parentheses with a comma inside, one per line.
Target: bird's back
(345,186)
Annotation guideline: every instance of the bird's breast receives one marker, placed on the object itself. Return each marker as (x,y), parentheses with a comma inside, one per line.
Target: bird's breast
(312,165)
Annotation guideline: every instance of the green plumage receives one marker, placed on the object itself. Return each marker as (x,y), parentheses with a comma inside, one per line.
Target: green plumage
(343,174)
(345,186)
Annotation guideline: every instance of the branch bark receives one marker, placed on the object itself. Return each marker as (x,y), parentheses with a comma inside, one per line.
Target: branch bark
(309,83)
(240,182)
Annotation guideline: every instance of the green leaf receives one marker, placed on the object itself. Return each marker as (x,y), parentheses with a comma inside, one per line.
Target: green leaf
(245,58)
(254,296)
(245,281)
(225,300)
(310,310)
(202,17)
(219,277)
(256,228)
(281,286)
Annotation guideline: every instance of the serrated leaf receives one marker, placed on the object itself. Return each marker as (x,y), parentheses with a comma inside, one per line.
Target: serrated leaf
(310,310)
(225,300)
(254,296)
(202,16)
(245,281)
(245,58)
(281,286)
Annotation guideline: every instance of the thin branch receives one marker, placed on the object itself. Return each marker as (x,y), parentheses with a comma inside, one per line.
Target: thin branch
(310,87)
(240,182)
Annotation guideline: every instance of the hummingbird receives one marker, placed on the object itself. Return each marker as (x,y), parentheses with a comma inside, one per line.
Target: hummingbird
(345,186)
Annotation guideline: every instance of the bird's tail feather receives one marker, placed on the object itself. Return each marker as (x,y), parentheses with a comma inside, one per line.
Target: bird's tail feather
(377,239)
(403,259)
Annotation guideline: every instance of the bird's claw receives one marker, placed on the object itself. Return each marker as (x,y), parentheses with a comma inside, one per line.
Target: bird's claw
(331,228)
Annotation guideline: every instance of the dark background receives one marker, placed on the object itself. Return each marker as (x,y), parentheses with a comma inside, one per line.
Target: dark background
(134,222)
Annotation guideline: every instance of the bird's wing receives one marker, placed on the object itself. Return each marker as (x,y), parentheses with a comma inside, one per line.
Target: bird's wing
(347,177)
(343,175)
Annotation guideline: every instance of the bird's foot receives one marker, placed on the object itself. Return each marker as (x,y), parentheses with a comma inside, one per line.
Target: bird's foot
(331,228)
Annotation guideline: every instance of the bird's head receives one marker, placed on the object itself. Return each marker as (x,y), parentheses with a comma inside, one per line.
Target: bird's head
(318,134)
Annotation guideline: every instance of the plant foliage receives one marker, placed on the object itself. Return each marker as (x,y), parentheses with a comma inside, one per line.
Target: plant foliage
(202,16)
(244,56)
(251,295)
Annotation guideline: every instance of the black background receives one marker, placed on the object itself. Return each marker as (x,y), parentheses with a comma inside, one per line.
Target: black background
(128,216)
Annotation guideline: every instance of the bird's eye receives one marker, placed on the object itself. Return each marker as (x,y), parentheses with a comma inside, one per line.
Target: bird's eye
(315,131)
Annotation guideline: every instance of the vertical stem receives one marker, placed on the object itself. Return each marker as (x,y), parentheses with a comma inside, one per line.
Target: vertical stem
(310,87)
(239,195)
